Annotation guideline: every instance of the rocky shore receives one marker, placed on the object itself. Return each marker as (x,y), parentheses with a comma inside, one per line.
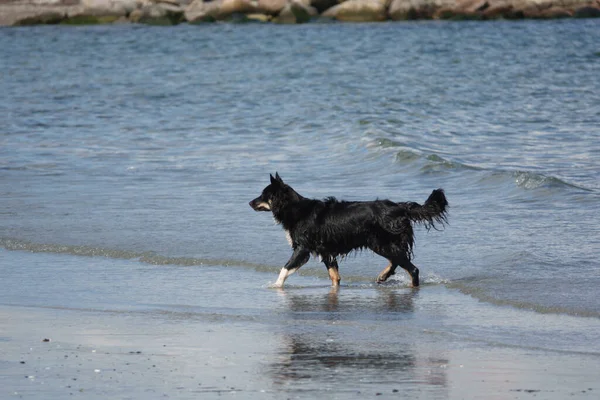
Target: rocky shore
(172,12)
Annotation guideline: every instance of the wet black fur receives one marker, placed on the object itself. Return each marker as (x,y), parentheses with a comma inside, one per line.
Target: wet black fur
(331,228)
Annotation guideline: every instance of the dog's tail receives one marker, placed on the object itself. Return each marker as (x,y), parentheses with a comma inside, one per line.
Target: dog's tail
(433,211)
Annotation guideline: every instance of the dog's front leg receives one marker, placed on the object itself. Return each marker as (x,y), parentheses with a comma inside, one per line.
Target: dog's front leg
(332,268)
(298,259)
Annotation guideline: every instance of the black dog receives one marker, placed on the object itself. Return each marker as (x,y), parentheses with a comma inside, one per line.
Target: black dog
(332,228)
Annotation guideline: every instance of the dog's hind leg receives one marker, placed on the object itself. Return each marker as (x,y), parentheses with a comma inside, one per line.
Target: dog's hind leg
(403,262)
(387,272)
(332,268)
(397,257)
(298,259)
(411,269)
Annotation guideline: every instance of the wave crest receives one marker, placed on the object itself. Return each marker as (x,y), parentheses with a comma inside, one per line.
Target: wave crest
(428,163)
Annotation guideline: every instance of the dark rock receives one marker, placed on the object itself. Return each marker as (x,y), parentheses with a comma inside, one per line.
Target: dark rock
(322,5)
(587,12)
(43,17)
(296,12)
(498,10)
(89,20)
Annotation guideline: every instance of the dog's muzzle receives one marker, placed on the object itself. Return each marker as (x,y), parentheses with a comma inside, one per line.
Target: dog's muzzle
(259,205)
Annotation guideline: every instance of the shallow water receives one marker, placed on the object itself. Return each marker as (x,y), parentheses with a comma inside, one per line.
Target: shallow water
(128,156)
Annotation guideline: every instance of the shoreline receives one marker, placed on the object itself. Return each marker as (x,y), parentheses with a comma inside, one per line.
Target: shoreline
(173,12)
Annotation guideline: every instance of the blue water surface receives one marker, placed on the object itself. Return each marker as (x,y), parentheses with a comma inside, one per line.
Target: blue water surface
(147,143)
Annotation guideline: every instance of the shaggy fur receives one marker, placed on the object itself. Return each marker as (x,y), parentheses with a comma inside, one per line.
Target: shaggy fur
(330,228)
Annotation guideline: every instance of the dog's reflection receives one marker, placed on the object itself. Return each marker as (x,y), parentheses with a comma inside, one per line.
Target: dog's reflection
(306,356)
(352,335)
(351,301)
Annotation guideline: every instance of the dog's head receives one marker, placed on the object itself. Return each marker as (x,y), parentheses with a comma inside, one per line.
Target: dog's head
(275,196)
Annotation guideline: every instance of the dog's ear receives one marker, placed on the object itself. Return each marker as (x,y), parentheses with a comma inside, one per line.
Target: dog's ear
(276,180)
(278,177)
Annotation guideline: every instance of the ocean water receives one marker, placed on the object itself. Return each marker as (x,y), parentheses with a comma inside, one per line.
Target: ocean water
(128,156)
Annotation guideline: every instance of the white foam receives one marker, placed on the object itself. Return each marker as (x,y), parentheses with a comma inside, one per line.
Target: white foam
(430,278)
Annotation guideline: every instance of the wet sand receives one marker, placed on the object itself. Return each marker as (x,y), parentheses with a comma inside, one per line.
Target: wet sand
(316,350)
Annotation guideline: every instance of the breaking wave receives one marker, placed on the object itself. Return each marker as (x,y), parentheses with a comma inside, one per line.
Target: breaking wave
(428,162)
(143,257)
